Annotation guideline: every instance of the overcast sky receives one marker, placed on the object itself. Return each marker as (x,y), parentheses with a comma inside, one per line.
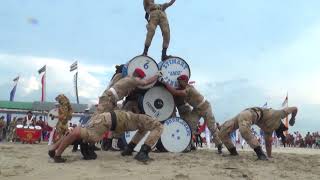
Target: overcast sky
(241,53)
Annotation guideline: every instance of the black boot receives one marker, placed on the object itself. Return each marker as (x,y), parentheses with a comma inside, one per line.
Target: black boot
(59,159)
(92,154)
(143,153)
(87,151)
(106,144)
(164,54)
(233,151)
(51,153)
(260,153)
(145,51)
(127,151)
(219,146)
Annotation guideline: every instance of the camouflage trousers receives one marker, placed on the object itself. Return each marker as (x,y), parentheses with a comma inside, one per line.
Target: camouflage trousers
(243,122)
(158,17)
(193,117)
(126,121)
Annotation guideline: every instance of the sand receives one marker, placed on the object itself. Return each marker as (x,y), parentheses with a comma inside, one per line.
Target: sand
(31,162)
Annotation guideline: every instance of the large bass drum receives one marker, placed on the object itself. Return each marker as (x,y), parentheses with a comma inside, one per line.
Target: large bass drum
(146,63)
(158,103)
(172,68)
(176,135)
(52,117)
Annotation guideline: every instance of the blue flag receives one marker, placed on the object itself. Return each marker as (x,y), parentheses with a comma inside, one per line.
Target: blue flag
(13,91)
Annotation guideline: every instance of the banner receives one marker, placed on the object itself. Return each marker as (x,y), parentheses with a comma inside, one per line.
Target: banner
(43,82)
(13,91)
(73,67)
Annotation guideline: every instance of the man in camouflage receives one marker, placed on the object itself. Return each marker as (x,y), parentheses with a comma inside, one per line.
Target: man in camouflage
(65,114)
(268,120)
(155,15)
(12,130)
(2,127)
(201,107)
(119,122)
(120,89)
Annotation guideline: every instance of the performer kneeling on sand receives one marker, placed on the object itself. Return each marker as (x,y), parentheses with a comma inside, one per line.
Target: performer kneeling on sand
(268,120)
(119,122)
(200,106)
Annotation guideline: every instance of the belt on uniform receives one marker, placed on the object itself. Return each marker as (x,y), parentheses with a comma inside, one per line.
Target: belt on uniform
(114,92)
(113,121)
(156,8)
(202,102)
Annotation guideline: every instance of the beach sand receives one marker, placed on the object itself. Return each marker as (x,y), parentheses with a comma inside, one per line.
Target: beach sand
(31,162)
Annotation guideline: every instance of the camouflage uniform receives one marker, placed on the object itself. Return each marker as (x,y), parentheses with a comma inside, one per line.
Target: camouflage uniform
(269,120)
(125,121)
(157,17)
(115,79)
(109,98)
(12,130)
(2,128)
(186,113)
(65,114)
(202,108)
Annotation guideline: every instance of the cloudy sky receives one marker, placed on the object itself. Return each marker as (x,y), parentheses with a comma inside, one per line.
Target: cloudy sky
(241,53)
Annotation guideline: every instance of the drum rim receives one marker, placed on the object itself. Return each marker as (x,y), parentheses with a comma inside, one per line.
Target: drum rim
(178,58)
(190,135)
(48,120)
(142,104)
(127,67)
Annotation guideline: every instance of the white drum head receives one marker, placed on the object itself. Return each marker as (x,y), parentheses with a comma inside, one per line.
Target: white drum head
(172,68)
(38,127)
(52,122)
(25,127)
(176,135)
(129,135)
(19,126)
(158,103)
(147,64)
(31,127)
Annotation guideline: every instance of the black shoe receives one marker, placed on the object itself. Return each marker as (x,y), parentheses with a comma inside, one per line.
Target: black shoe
(127,151)
(59,159)
(92,154)
(145,51)
(95,148)
(51,153)
(219,146)
(106,144)
(164,54)
(233,151)
(260,153)
(87,151)
(143,153)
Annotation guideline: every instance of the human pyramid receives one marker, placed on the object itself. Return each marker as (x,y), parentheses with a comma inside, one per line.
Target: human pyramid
(152,92)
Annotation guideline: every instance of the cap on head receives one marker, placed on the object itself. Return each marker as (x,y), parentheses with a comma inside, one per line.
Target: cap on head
(183,78)
(139,72)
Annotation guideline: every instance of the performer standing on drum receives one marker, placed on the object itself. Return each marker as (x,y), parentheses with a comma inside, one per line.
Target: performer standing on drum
(119,122)
(268,120)
(65,114)
(200,106)
(155,15)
